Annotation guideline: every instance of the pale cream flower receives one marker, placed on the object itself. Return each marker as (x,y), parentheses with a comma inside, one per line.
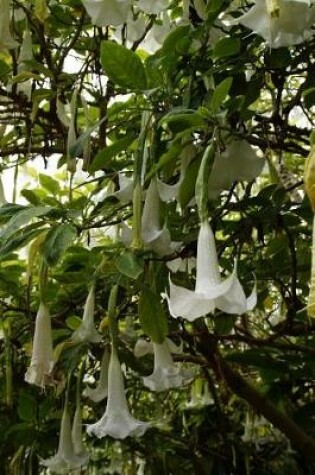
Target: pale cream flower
(108,12)
(166,374)
(210,291)
(101,390)
(42,362)
(238,161)
(289,22)
(65,459)
(117,422)
(87,332)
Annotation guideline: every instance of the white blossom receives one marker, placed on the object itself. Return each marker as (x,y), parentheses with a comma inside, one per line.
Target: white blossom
(42,362)
(101,390)
(108,12)
(65,459)
(289,22)
(210,291)
(117,422)
(87,332)
(166,374)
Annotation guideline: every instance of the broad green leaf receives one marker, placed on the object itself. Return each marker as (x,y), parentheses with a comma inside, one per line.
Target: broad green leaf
(102,158)
(129,264)
(49,183)
(21,239)
(187,187)
(22,218)
(152,317)
(57,241)
(27,406)
(220,94)
(227,47)
(123,66)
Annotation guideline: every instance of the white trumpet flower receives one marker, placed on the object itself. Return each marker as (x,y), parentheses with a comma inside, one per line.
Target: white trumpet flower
(288,22)
(76,437)
(238,162)
(6,40)
(108,12)
(166,373)
(101,390)
(65,459)
(42,362)
(210,291)
(155,238)
(87,332)
(117,422)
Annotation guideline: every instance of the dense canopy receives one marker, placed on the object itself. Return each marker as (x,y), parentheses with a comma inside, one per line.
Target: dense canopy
(157,287)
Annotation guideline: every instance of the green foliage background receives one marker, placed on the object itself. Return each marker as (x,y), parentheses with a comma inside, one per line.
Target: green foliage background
(258,368)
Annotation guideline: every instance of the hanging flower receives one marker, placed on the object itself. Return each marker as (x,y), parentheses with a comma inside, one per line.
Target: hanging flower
(6,40)
(166,373)
(210,291)
(155,237)
(238,162)
(76,436)
(108,12)
(117,422)
(281,22)
(65,459)
(87,331)
(101,390)
(39,371)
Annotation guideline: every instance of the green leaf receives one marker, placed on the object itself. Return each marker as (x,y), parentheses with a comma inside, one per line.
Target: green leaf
(21,218)
(27,406)
(130,265)
(201,189)
(102,158)
(227,47)
(152,316)
(21,239)
(123,66)
(57,241)
(220,94)
(49,183)
(187,187)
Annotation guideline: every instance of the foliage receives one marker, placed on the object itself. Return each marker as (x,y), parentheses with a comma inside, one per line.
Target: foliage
(106,129)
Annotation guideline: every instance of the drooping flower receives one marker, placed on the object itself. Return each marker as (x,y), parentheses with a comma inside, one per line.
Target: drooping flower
(153,7)
(87,332)
(155,237)
(166,374)
(280,23)
(238,162)
(76,436)
(108,12)
(6,40)
(210,291)
(65,459)
(117,422)
(101,390)
(42,362)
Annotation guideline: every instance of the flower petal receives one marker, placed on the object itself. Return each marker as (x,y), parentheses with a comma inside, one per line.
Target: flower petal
(188,304)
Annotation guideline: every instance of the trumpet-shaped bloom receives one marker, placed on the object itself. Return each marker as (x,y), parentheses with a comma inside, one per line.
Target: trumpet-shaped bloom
(117,422)
(108,12)
(6,40)
(101,390)
(153,7)
(76,436)
(290,23)
(210,291)
(65,459)
(39,371)
(238,162)
(166,374)
(87,332)
(155,237)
